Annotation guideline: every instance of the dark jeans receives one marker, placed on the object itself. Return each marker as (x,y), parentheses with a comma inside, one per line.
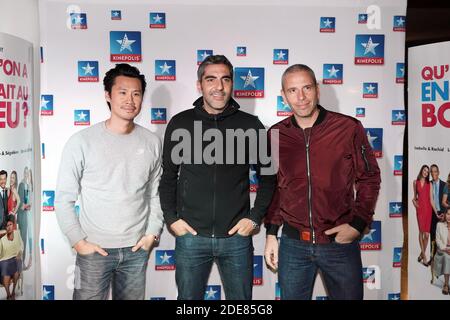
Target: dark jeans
(123,269)
(194,257)
(340,265)
(22,221)
(433,246)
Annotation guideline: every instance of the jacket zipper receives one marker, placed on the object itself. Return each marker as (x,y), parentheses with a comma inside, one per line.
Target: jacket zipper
(214,189)
(309,186)
(183,197)
(363,152)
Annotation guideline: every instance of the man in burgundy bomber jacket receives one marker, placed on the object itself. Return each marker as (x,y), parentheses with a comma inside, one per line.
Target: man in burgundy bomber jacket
(328,183)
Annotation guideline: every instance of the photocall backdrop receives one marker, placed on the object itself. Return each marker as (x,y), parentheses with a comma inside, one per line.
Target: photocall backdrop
(356,50)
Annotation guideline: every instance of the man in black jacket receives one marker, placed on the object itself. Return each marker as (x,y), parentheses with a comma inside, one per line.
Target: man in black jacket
(3,199)
(204,188)
(437,186)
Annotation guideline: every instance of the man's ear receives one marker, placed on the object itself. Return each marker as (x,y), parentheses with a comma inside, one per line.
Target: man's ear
(284,97)
(107,96)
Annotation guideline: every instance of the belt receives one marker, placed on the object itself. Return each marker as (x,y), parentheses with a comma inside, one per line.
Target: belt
(305,235)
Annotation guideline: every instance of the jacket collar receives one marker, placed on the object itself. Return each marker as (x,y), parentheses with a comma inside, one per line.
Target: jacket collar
(232,108)
(322,114)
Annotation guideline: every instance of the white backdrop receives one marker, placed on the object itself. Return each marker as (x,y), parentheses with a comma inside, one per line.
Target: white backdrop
(428,68)
(261,27)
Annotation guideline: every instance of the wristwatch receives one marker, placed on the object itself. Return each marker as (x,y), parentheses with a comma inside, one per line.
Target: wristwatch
(255,225)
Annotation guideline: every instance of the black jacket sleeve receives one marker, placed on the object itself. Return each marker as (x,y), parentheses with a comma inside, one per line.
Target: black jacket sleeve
(266,177)
(169,178)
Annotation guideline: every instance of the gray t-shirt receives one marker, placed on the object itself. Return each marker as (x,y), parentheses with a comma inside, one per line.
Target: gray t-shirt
(117,178)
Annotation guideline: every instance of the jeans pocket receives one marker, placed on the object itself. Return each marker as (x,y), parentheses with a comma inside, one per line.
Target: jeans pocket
(87,255)
(142,249)
(144,253)
(343,243)
(241,236)
(184,235)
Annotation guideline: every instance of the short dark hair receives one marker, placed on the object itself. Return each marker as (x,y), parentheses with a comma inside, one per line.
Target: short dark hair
(434,166)
(297,68)
(215,59)
(3,172)
(10,217)
(122,69)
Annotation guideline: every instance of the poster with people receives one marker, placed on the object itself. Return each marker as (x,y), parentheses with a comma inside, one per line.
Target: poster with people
(16,169)
(429,172)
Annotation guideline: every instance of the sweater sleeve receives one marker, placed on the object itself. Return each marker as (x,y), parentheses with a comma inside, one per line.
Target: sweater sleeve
(156,220)
(67,190)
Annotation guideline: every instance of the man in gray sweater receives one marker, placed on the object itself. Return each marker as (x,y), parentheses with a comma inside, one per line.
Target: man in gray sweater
(113,168)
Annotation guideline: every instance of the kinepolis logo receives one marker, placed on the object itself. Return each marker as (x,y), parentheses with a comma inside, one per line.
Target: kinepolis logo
(116,15)
(399,23)
(249,82)
(82,117)
(333,73)
(398,117)
(283,109)
(87,71)
(280,56)
(164,260)
(250,147)
(158,115)
(202,55)
(78,20)
(360,112)
(257,270)
(125,46)
(375,138)
(369,49)
(241,51)
(370,90)
(48,200)
(327,24)
(165,70)
(157,20)
(213,292)
(372,240)
(362,18)
(46,105)
(400,72)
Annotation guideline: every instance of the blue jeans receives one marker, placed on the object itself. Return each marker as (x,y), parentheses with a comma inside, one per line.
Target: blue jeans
(121,269)
(340,265)
(194,257)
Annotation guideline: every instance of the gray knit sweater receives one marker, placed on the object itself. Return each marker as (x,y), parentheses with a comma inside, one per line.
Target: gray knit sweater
(116,178)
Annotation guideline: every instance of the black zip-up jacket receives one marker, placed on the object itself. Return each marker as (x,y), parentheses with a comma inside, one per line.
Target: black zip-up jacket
(211,198)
